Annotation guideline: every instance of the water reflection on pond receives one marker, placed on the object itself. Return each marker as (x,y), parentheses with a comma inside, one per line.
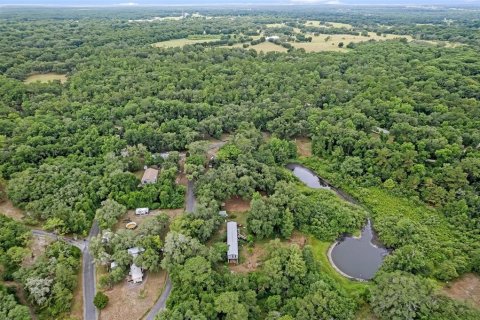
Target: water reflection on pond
(359,257)
(307,177)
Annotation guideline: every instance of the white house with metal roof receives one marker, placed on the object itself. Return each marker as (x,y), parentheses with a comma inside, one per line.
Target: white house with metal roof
(232,241)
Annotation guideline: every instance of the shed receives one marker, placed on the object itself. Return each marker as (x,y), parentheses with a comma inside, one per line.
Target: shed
(272,38)
(150,176)
(223,214)
(141,211)
(135,251)
(136,273)
(232,242)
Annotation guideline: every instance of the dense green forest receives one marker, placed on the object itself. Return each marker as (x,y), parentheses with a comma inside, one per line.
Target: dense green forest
(393,123)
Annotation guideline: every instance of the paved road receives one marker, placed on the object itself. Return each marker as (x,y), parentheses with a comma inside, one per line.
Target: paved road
(161,302)
(40,233)
(89,310)
(190,205)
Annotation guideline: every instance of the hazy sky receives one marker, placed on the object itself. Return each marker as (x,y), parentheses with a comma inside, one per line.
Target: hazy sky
(209,2)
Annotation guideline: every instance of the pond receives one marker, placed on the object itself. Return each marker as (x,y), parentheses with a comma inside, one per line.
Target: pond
(358,257)
(354,257)
(308,177)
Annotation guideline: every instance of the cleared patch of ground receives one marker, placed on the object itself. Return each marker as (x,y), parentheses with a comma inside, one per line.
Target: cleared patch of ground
(46,77)
(130,216)
(275,25)
(132,301)
(465,289)
(37,246)
(340,25)
(180,42)
(237,204)
(264,47)
(329,42)
(7,208)
(304,146)
(250,258)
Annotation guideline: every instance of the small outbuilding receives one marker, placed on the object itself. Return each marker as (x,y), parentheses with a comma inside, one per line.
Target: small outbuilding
(223,214)
(150,176)
(232,242)
(141,211)
(136,273)
(272,38)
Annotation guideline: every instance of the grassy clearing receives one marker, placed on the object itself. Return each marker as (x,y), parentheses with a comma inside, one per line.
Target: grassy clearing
(46,77)
(329,42)
(180,42)
(275,25)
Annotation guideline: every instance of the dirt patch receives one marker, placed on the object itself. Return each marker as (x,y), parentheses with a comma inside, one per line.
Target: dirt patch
(37,246)
(46,77)
(466,289)
(250,258)
(130,216)
(237,204)
(132,301)
(181,178)
(8,209)
(298,238)
(304,146)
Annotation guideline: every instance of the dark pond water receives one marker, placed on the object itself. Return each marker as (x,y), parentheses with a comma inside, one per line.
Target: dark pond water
(308,177)
(358,258)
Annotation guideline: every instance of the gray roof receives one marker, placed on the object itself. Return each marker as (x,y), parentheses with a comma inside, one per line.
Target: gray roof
(232,238)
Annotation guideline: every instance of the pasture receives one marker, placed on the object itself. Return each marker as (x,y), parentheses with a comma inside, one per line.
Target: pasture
(329,42)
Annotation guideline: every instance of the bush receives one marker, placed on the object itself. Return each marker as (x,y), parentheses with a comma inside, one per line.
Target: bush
(101,300)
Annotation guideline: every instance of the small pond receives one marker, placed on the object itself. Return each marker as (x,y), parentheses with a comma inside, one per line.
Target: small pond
(358,258)
(308,177)
(354,257)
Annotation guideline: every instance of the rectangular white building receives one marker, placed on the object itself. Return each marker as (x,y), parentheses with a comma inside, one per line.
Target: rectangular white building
(232,241)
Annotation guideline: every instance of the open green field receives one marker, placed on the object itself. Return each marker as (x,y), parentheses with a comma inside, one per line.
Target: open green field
(46,77)
(262,47)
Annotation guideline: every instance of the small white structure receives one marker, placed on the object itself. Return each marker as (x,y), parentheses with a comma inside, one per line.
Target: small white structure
(379,130)
(150,176)
(113,265)
(142,211)
(272,38)
(136,273)
(135,251)
(164,155)
(232,241)
(223,214)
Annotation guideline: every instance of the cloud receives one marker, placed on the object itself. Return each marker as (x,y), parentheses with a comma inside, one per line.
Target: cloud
(128,4)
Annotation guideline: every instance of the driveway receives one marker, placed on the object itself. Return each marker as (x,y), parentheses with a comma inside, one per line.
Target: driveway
(161,302)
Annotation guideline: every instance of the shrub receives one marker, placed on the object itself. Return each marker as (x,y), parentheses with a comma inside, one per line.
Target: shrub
(101,300)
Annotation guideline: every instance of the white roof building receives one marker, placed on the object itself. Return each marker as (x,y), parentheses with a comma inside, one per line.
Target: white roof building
(232,241)
(135,251)
(150,176)
(136,273)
